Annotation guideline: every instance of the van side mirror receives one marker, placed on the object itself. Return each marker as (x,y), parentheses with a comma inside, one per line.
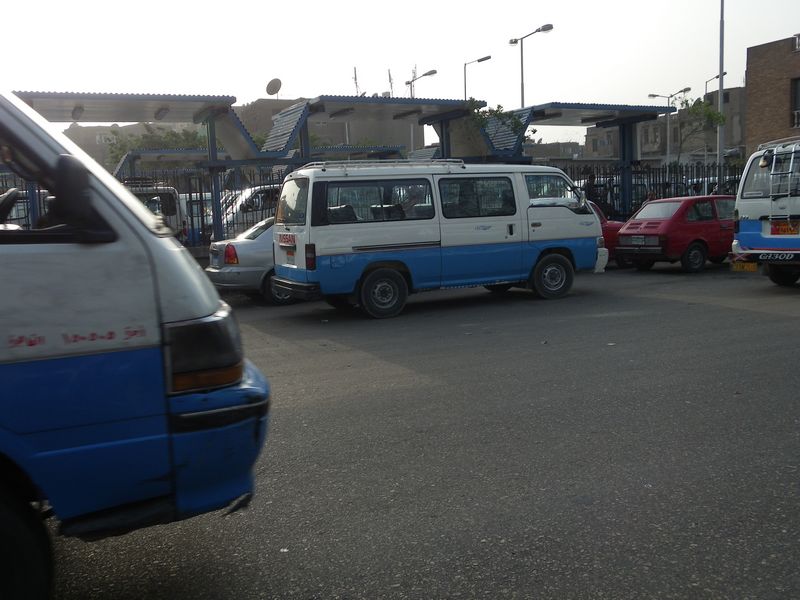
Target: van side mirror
(72,206)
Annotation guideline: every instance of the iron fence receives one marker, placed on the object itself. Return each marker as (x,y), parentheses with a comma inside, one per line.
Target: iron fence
(184,198)
(649,183)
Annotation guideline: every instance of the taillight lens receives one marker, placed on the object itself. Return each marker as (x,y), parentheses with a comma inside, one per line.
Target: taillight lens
(311,257)
(230,256)
(204,353)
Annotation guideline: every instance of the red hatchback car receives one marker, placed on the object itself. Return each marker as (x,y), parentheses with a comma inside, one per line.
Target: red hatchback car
(689,230)
(610,234)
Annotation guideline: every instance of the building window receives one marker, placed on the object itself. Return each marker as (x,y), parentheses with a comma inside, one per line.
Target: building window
(795,115)
(726,97)
(797,42)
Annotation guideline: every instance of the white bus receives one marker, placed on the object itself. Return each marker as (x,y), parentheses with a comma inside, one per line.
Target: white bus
(767,215)
(368,234)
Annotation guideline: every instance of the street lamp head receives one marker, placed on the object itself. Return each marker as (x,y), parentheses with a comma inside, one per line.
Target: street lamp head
(484,58)
(513,41)
(685,90)
(655,96)
(545,28)
(431,72)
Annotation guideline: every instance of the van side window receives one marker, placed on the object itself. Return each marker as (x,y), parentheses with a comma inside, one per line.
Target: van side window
(467,197)
(379,200)
(553,190)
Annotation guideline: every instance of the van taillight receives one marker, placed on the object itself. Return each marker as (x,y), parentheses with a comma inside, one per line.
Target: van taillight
(311,257)
(231,258)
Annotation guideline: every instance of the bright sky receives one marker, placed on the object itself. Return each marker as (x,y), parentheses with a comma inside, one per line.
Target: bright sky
(599,51)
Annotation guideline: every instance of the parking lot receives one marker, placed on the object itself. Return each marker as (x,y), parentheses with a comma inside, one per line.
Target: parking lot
(638,438)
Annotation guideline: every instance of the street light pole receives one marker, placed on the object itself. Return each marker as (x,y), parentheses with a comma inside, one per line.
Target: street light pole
(705,145)
(477,60)
(513,41)
(669,98)
(414,77)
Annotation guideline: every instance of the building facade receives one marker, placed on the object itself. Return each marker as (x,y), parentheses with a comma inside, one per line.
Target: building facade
(773,91)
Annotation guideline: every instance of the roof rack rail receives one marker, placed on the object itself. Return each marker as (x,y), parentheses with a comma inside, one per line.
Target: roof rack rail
(781,142)
(397,162)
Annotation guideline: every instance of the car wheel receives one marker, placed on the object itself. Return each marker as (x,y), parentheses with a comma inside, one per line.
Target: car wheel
(26,566)
(644,265)
(383,293)
(272,295)
(552,277)
(499,288)
(783,275)
(694,259)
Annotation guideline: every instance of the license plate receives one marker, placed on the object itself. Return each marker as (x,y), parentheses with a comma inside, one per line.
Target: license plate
(637,240)
(286,239)
(746,267)
(785,227)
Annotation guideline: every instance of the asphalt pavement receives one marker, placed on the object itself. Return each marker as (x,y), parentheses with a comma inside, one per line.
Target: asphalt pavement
(636,439)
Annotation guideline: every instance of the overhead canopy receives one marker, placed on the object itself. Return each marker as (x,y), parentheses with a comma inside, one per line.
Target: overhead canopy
(67,107)
(587,115)
(379,108)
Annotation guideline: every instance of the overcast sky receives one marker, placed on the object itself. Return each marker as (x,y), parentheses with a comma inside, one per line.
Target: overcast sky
(599,51)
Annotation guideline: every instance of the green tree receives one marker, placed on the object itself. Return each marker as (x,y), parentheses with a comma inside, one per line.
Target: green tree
(154,138)
(699,117)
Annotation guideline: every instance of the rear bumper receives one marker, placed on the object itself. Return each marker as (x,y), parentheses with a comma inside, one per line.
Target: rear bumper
(602,260)
(764,256)
(642,252)
(298,290)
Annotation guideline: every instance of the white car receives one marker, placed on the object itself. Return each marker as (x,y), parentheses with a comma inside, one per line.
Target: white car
(245,263)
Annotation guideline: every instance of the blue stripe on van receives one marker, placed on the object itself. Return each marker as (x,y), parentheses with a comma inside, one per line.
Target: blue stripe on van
(339,274)
(750,237)
(89,430)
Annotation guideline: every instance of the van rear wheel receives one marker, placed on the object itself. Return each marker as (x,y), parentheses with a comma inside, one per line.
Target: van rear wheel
(552,277)
(781,275)
(383,293)
(26,564)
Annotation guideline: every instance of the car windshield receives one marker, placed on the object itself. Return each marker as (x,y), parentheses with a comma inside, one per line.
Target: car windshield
(293,202)
(658,210)
(256,230)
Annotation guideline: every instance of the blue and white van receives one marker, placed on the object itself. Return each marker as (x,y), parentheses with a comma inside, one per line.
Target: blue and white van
(125,398)
(767,214)
(369,234)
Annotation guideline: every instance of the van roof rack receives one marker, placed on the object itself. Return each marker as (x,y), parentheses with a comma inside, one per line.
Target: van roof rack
(794,140)
(398,162)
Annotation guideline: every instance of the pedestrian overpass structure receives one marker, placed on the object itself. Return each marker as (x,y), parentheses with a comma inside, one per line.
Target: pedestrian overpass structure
(288,144)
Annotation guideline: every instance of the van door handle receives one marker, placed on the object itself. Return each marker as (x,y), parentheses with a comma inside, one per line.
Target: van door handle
(535,224)
(510,229)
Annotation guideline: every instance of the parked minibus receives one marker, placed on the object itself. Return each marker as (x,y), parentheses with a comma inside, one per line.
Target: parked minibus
(767,215)
(125,397)
(369,234)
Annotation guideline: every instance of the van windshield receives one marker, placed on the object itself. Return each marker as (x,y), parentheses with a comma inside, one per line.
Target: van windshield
(293,203)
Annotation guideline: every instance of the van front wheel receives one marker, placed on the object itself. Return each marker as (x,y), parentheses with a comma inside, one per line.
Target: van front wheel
(552,276)
(26,567)
(383,293)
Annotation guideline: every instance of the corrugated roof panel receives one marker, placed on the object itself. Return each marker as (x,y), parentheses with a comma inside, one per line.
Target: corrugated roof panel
(502,136)
(286,128)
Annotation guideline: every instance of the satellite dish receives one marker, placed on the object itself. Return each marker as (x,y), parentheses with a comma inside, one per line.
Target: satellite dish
(274,86)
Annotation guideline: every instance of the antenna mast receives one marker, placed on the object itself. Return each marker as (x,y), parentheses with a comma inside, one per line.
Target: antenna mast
(355,79)
(391,87)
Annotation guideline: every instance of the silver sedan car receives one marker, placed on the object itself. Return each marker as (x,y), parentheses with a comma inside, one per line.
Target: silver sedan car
(245,263)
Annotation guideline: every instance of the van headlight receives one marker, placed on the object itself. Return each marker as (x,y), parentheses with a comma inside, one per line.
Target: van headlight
(204,353)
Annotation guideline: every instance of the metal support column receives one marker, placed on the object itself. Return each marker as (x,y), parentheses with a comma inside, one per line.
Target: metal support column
(627,154)
(216,209)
